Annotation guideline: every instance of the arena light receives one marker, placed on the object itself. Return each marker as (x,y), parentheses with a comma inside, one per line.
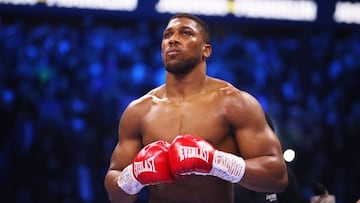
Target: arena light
(19,2)
(347,12)
(201,7)
(301,10)
(289,155)
(125,5)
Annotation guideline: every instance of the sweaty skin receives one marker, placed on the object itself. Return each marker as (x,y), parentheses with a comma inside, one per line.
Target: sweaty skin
(190,102)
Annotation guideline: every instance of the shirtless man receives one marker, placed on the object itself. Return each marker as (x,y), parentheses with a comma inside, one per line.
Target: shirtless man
(192,138)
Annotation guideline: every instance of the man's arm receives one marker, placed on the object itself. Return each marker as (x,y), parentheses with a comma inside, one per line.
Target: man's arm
(259,146)
(129,143)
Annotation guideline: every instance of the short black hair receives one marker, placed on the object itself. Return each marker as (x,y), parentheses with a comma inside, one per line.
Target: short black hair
(203,25)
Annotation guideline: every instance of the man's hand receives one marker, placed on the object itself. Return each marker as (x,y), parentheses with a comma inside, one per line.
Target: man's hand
(191,154)
(150,166)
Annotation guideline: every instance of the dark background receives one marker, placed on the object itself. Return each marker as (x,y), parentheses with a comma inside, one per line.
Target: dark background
(66,75)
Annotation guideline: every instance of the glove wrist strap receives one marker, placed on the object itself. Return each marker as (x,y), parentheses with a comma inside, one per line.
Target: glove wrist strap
(228,166)
(127,182)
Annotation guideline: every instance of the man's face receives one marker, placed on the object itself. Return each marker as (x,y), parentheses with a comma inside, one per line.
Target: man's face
(182,45)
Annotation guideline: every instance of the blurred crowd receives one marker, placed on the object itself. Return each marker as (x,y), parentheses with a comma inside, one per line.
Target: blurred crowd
(64,85)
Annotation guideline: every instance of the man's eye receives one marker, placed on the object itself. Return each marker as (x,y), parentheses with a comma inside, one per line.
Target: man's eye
(186,33)
(167,35)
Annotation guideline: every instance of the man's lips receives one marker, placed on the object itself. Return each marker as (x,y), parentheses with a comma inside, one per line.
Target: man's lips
(172,51)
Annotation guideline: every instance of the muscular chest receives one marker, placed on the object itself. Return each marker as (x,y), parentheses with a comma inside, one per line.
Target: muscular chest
(166,120)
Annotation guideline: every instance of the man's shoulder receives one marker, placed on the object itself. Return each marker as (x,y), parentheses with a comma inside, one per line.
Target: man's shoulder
(224,86)
(228,90)
(148,97)
(155,92)
(232,97)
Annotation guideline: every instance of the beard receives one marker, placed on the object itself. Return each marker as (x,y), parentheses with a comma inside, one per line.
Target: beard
(182,66)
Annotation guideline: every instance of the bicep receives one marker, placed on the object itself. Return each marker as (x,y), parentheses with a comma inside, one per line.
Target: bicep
(253,135)
(124,153)
(258,142)
(129,141)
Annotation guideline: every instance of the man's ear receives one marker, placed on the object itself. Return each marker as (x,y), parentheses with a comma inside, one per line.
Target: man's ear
(207,49)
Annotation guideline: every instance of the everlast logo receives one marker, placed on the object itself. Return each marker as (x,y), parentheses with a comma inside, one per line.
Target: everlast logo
(147,165)
(193,152)
(271,197)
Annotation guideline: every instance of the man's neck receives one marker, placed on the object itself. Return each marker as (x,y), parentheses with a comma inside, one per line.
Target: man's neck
(184,86)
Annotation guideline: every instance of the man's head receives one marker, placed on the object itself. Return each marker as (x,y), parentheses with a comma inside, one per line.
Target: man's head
(185,43)
(204,27)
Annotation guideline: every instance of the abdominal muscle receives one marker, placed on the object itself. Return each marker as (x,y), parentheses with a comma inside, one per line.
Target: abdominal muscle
(193,189)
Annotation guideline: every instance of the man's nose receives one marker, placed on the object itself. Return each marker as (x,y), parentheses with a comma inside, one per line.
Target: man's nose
(174,39)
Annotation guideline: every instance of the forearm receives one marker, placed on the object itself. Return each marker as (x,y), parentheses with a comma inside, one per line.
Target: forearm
(265,174)
(149,167)
(115,193)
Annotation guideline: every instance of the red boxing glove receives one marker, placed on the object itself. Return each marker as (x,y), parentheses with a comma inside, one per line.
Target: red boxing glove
(190,154)
(150,166)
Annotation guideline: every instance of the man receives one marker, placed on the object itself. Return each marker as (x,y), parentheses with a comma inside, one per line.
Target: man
(184,140)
